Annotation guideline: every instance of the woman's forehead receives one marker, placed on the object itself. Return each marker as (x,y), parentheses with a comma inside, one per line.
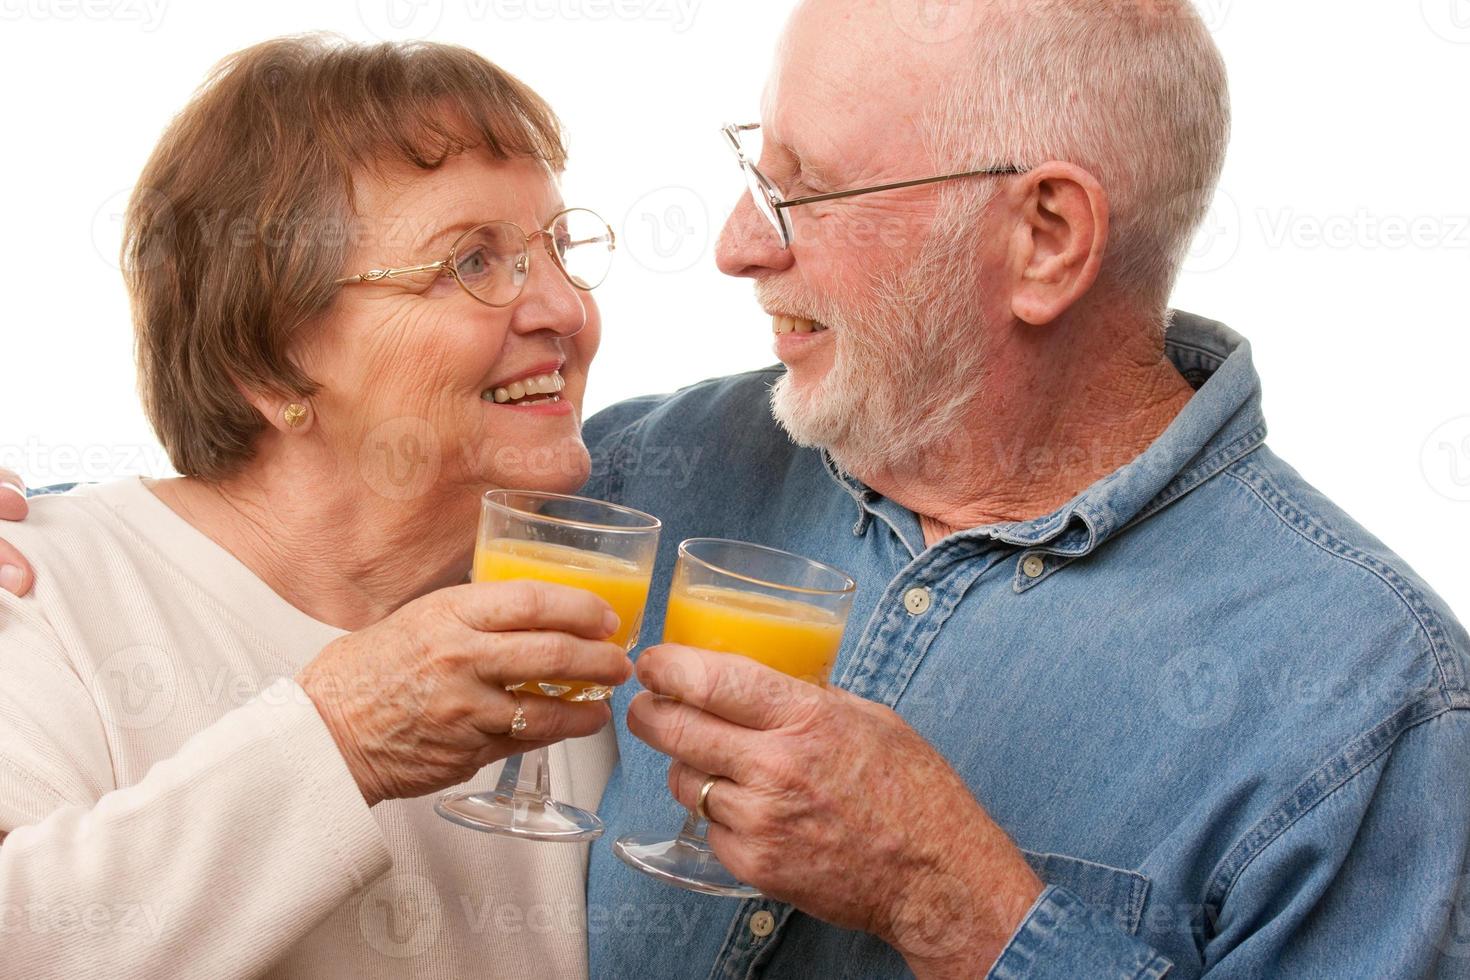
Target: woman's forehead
(411,205)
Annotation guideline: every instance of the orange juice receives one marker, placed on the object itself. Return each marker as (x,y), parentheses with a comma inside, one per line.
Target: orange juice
(793,637)
(621,583)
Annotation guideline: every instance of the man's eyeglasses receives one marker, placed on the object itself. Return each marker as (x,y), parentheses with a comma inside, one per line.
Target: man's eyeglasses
(769,202)
(493,261)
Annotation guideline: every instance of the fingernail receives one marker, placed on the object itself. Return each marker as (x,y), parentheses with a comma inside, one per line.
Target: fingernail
(10,579)
(611,622)
(14,488)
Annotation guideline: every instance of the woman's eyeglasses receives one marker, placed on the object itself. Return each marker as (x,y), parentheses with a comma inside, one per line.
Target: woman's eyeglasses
(492,261)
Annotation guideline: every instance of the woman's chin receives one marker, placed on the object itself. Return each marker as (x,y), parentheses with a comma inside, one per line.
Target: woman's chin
(559,467)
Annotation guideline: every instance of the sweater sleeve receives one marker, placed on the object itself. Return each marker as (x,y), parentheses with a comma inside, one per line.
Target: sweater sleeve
(215,863)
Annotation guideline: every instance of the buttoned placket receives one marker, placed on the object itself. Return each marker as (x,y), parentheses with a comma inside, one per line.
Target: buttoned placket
(907,619)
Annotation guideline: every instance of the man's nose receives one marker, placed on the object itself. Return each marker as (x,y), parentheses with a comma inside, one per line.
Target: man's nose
(749,247)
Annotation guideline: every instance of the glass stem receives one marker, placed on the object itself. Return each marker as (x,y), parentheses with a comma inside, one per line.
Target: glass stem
(692,833)
(526,775)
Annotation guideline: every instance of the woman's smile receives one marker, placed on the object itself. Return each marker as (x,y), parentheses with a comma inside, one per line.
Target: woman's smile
(536,390)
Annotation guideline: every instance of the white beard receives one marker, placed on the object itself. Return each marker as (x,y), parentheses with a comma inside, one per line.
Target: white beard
(909,360)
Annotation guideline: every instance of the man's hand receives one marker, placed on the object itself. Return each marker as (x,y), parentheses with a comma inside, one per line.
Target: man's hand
(15,572)
(835,805)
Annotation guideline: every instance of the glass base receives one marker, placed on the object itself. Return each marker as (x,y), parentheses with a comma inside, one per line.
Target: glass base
(519,815)
(684,861)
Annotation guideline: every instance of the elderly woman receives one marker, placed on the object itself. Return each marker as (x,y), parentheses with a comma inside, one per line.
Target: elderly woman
(359,302)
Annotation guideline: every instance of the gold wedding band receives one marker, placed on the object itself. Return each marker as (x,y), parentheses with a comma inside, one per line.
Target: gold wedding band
(517,720)
(699,809)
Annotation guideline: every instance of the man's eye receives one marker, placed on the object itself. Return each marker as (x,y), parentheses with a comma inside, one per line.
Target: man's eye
(809,183)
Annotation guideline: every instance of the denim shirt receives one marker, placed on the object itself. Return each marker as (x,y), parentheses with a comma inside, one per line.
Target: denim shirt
(1226,725)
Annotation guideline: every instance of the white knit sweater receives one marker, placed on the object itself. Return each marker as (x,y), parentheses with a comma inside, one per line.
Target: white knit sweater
(176,808)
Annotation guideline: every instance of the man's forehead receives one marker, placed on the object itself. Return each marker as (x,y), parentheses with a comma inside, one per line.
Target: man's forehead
(840,76)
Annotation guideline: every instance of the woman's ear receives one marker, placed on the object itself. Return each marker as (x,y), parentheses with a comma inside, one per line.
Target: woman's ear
(1059,242)
(289,415)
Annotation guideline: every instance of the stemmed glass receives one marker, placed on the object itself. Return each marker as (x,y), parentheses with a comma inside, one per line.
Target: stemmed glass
(588,544)
(774,607)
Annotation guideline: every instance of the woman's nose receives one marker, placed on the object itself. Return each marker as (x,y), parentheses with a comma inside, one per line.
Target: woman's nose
(550,302)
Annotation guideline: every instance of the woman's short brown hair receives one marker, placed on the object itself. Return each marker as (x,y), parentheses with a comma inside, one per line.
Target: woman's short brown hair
(242,218)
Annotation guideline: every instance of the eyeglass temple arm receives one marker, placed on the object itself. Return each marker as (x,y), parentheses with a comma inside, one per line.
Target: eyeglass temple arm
(377,275)
(988,172)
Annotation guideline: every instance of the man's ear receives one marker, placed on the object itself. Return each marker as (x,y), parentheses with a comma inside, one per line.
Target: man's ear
(1060,237)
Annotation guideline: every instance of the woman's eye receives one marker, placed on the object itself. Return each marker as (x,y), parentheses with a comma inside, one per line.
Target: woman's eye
(473,264)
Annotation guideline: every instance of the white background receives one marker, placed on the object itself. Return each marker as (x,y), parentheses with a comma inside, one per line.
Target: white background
(1340,244)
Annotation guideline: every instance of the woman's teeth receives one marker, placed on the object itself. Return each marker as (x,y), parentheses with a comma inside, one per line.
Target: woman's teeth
(527,390)
(796,324)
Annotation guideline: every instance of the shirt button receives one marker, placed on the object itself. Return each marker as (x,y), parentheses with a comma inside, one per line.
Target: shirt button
(762,924)
(917,601)
(1033,566)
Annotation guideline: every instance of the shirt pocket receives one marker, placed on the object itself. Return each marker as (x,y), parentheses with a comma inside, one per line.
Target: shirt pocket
(1118,893)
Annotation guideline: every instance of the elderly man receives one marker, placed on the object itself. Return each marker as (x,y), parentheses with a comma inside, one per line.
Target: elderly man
(1122,695)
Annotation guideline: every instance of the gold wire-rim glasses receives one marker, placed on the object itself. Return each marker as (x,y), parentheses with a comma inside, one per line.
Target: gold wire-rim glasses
(448,266)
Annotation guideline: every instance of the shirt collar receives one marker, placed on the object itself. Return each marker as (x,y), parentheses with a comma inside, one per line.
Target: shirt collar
(1221,423)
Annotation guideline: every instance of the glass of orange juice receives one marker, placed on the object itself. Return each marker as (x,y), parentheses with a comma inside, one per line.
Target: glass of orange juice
(587,544)
(774,607)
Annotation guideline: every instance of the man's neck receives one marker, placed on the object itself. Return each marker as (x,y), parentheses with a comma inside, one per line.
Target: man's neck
(1061,410)
(344,559)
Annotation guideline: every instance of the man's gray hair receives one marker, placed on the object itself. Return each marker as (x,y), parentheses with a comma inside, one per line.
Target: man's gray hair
(1134,91)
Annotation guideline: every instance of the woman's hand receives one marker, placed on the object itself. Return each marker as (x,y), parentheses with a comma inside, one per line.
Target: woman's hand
(417,703)
(15,571)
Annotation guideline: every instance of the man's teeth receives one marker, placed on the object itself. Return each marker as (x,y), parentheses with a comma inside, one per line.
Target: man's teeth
(796,324)
(526,388)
